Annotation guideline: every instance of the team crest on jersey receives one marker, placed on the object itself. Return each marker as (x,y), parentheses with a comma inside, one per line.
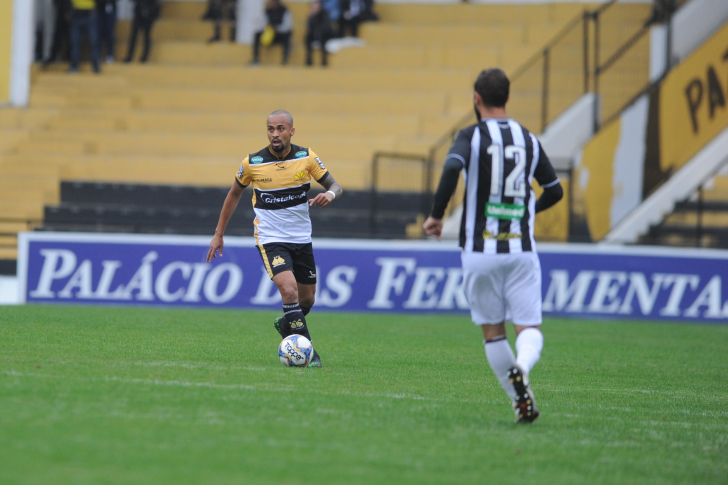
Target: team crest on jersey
(256,159)
(318,160)
(299,176)
(301,154)
(277,261)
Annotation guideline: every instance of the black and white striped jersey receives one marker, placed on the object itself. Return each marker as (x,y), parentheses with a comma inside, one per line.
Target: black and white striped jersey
(500,158)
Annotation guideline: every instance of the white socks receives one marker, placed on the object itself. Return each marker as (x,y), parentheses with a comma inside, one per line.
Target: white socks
(501,358)
(529,344)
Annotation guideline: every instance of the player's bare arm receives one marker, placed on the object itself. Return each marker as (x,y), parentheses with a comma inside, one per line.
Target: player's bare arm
(228,207)
(333,191)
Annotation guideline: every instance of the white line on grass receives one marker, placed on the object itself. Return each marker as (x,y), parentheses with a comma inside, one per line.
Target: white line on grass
(211,385)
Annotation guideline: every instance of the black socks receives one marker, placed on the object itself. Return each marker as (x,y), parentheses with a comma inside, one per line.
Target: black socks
(295,319)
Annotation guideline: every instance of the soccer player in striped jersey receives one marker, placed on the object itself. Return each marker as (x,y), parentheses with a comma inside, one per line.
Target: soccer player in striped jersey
(501,270)
(280,175)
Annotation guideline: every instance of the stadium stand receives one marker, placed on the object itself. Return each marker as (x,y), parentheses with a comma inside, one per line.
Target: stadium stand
(701,221)
(137,208)
(186,116)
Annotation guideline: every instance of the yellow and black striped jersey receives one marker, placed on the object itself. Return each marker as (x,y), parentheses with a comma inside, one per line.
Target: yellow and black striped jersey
(280,186)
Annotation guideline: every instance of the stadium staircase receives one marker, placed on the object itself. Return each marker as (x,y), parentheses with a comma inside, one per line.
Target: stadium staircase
(188,116)
(699,221)
(688,203)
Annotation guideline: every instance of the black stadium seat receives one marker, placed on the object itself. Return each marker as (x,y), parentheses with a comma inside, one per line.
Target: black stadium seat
(164,209)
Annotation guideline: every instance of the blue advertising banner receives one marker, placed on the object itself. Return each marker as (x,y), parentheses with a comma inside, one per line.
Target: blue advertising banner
(422,276)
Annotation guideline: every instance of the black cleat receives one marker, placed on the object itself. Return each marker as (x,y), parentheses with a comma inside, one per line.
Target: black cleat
(280,325)
(525,404)
(315,360)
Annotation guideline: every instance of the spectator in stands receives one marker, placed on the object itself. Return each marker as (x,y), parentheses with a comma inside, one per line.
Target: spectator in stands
(369,15)
(106,23)
(61,32)
(318,32)
(44,18)
(275,29)
(334,13)
(83,18)
(354,12)
(221,12)
(146,13)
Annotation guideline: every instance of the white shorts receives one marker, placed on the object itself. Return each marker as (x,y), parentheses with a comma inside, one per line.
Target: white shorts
(503,286)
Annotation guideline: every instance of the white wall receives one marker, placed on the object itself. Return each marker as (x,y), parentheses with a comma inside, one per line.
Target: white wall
(22,52)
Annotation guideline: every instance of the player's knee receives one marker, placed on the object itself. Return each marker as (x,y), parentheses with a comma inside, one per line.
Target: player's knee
(289,294)
(306,303)
(491,332)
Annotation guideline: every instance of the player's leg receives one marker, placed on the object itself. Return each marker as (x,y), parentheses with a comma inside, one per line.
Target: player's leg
(529,344)
(483,285)
(306,296)
(304,269)
(278,263)
(499,354)
(523,297)
(293,317)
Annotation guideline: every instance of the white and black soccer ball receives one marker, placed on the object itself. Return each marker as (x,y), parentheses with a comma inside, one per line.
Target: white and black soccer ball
(295,351)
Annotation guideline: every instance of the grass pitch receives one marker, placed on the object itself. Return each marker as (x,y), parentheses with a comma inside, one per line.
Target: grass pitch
(96,395)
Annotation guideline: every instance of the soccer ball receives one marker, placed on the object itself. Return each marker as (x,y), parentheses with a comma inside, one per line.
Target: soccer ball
(295,351)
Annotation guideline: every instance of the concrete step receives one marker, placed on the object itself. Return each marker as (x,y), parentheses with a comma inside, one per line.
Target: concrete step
(205,122)
(273,78)
(14,227)
(256,101)
(8,253)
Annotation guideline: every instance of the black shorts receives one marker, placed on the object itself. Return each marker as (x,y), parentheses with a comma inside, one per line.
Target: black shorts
(279,257)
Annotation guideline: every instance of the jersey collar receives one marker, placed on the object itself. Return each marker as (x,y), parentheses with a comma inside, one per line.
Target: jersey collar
(279,158)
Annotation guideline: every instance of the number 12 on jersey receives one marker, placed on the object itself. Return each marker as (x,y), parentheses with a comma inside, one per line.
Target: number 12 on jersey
(514,184)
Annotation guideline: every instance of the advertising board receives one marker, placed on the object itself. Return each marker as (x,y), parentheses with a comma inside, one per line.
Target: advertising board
(357,275)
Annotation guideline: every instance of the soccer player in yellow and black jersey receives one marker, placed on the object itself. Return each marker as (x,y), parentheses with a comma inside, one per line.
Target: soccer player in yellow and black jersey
(280,175)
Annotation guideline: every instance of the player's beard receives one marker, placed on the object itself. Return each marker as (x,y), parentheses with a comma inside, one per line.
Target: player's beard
(280,148)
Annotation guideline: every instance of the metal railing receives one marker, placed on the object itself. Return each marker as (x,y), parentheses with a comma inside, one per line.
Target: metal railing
(403,171)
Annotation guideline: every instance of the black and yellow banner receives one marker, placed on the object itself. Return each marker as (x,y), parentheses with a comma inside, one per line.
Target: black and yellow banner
(693,100)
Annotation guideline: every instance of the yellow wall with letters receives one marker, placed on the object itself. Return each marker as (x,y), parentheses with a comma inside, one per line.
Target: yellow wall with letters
(694,102)
(6,43)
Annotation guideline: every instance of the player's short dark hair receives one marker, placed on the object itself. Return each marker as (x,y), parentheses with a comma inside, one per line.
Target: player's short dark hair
(283,112)
(493,87)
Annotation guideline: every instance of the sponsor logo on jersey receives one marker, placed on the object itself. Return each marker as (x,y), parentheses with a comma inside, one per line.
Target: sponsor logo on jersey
(272,199)
(267,179)
(256,159)
(321,164)
(299,176)
(280,166)
(504,211)
(311,274)
(277,261)
(501,236)
(301,154)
